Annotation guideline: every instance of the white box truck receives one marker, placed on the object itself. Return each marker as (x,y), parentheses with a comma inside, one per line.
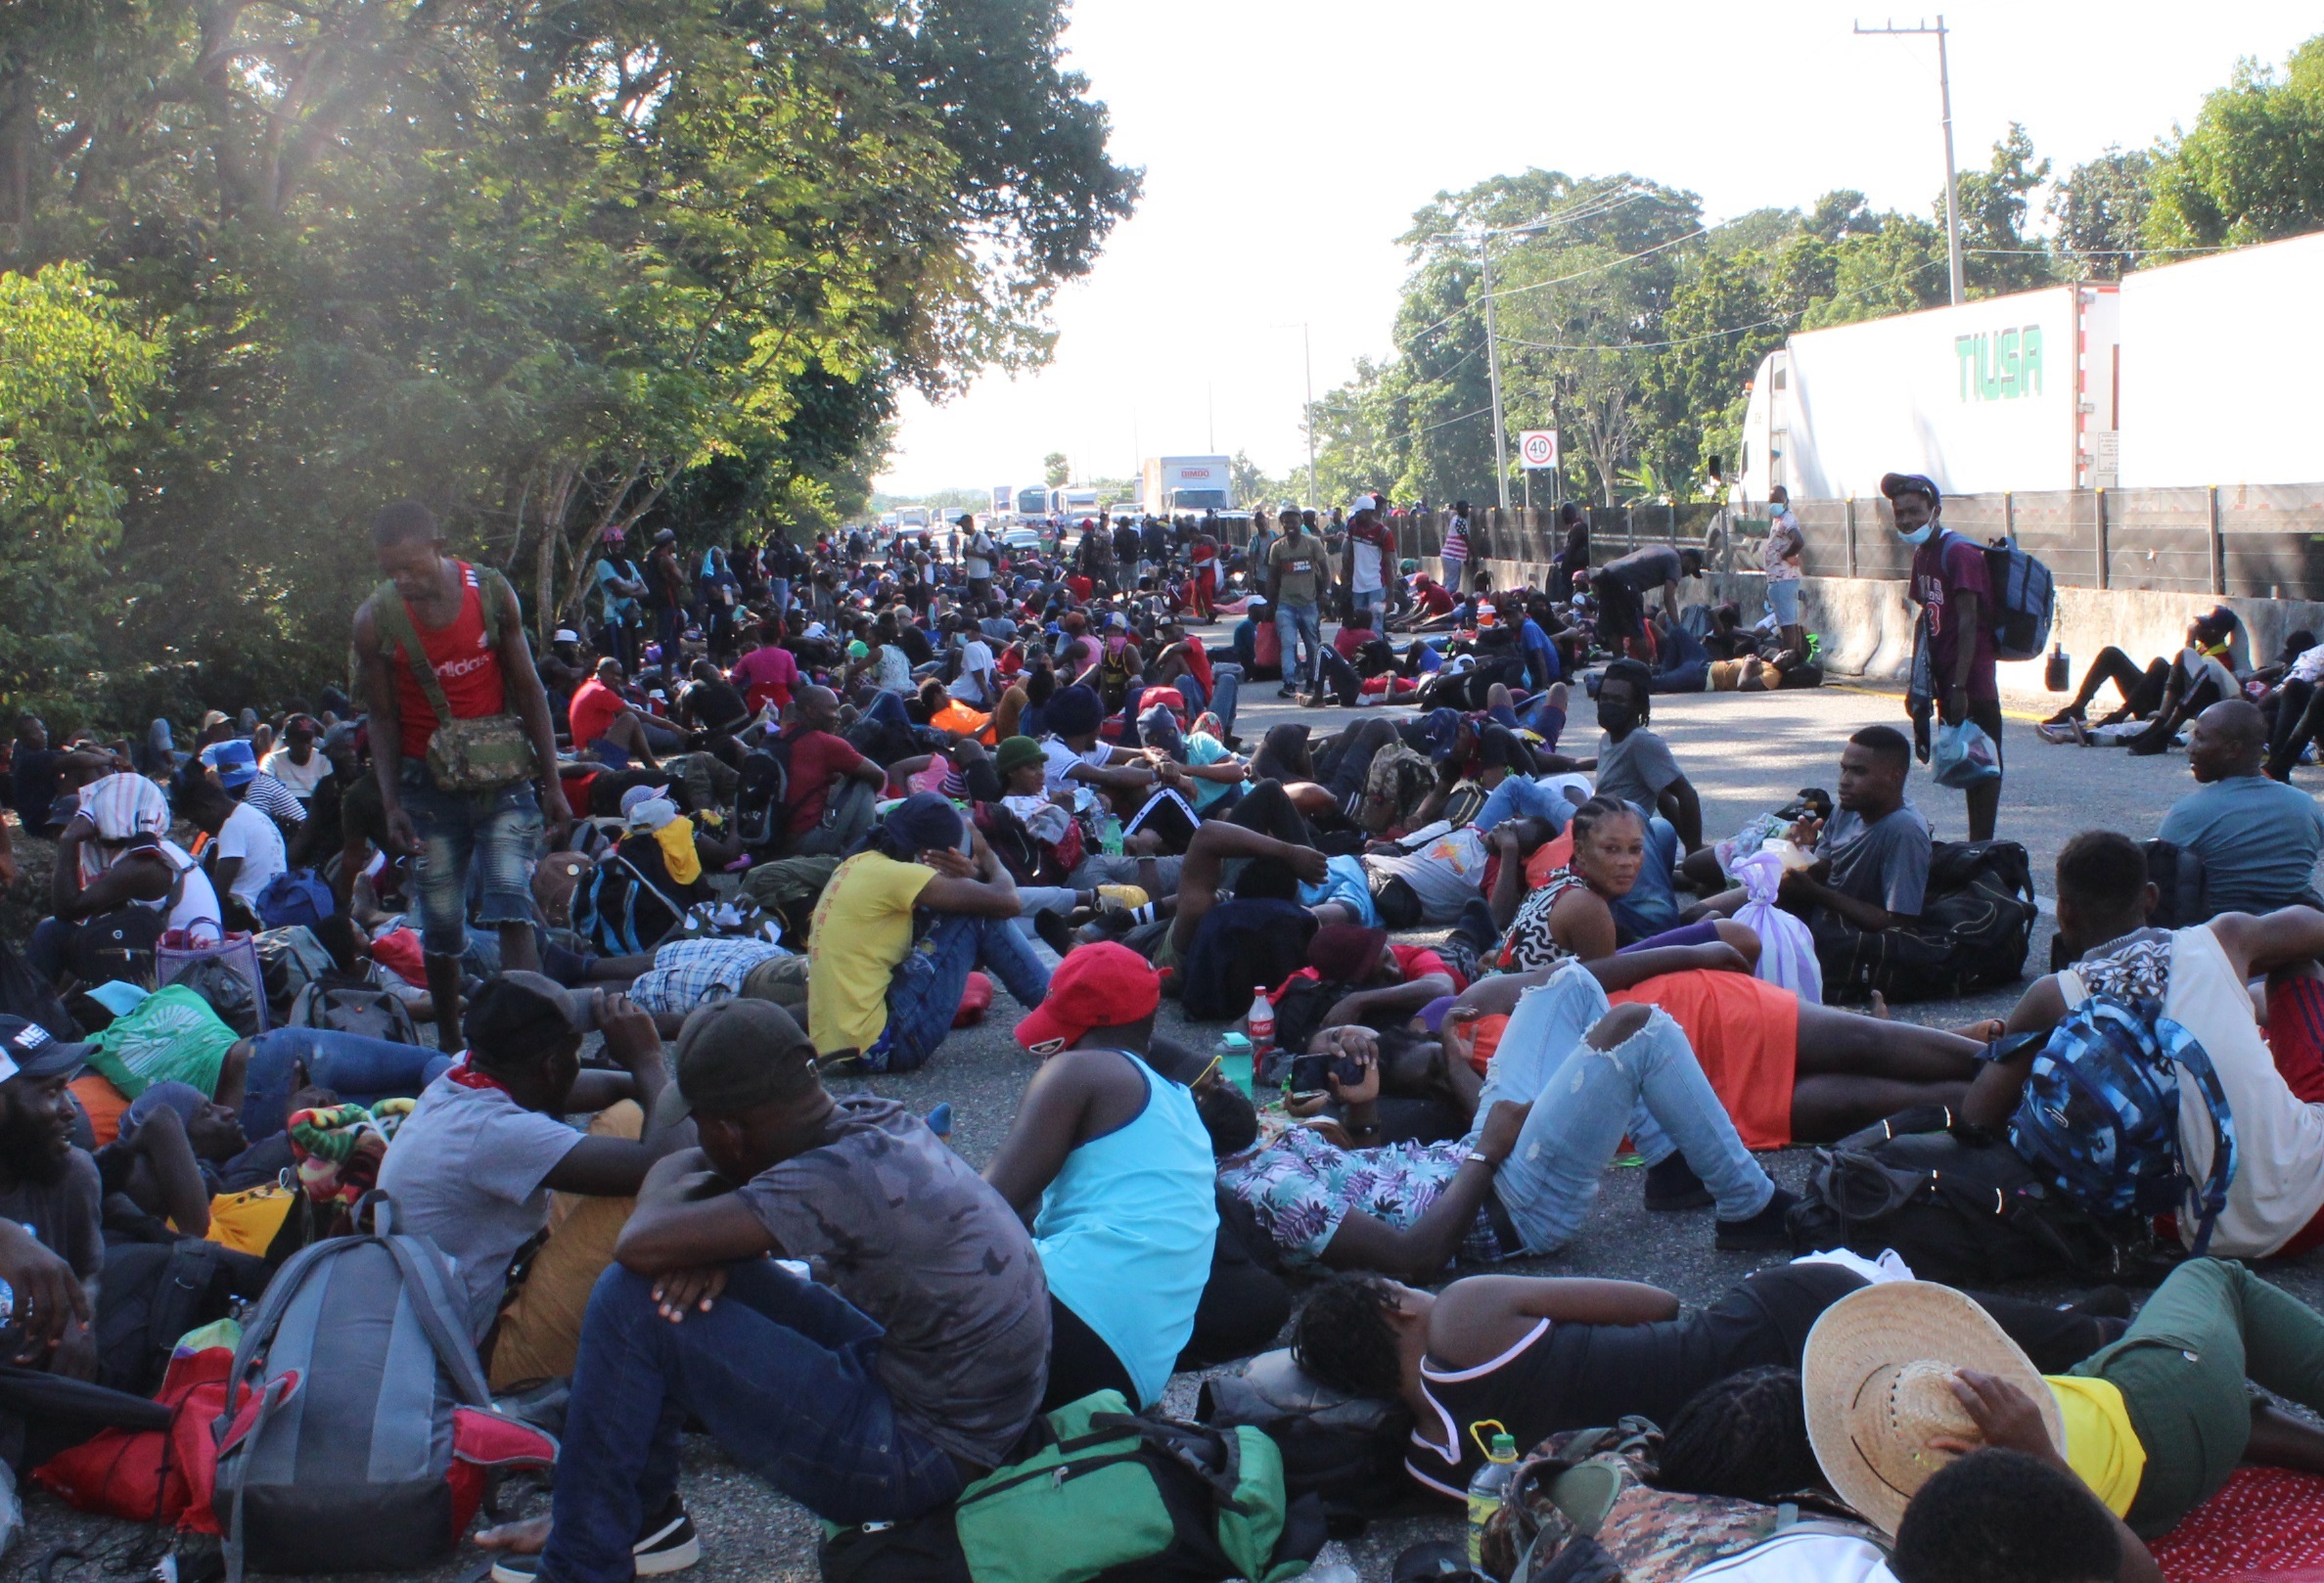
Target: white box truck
(1187,483)
(2010,392)
(2217,353)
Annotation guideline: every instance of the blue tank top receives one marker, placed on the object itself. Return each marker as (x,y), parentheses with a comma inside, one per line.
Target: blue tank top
(1126,1230)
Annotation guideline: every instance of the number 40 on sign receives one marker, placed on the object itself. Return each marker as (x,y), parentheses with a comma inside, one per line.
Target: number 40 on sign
(1537,447)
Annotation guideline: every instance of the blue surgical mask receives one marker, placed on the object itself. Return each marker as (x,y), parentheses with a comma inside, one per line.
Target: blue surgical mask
(1920,535)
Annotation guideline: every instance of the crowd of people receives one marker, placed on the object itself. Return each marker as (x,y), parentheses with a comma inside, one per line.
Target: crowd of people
(782,815)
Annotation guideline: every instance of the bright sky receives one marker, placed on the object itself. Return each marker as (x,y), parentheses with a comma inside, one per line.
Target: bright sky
(1285,144)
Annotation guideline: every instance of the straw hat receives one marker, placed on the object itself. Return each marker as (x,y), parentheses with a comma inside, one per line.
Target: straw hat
(1878,1374)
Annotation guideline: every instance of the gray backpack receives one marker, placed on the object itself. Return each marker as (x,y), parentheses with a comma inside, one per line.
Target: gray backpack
(375,1014)
(362,1432)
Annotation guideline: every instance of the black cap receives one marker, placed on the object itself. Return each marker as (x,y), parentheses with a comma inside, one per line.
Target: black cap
(28,1050)
(518,1014)
(733,1055)
(1911,483)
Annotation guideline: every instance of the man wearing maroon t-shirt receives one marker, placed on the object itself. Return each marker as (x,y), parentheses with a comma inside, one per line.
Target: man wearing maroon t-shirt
(824,767)
(1951,584)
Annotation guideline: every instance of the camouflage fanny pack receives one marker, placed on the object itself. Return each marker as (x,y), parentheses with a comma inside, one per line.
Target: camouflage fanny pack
(480,753)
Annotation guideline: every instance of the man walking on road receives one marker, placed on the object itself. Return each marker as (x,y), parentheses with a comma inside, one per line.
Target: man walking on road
(1951,585)
(446,665)
(1365,559)
(1298,572)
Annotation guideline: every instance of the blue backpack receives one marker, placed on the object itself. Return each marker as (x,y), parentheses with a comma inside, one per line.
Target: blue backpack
(2100,1114)
(296,896)
(2025,597)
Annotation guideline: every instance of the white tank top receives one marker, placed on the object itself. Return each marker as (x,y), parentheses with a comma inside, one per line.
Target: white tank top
(2278,1185)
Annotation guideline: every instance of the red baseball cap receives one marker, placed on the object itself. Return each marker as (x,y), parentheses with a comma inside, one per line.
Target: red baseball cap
(1096,986)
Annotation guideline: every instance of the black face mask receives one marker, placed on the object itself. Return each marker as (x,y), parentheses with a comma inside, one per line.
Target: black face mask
(1615,717)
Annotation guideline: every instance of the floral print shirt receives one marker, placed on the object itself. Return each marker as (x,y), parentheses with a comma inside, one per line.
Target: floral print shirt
(1300,1186)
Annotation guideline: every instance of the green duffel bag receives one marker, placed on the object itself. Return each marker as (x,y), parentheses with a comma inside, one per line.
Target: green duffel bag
(1109,1496)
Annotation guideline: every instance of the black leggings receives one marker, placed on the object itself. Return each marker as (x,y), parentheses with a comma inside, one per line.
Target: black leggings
(1244,1304)
(2300,720)
(1081,1362)
(1347,761)
(2141,689)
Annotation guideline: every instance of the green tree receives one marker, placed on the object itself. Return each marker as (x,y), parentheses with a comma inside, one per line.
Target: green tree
(552,269)
(2252,167)
(1997,255)
(1056,471)
(73,388)
(2101,210)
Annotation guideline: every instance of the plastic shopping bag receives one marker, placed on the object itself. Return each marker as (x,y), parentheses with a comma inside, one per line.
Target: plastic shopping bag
(1963,756)
(1787,951)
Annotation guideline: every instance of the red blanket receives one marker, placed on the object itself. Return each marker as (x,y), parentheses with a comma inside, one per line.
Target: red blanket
(2266,1526)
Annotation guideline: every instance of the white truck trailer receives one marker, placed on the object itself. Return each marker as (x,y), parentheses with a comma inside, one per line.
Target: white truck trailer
(2010,392)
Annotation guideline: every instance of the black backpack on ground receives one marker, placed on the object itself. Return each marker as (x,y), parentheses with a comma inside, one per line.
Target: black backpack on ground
(761,801)
(119,945)
(1301,1009)
(155,1292)
(1959,1207)
(1975,930)
(1345,1451)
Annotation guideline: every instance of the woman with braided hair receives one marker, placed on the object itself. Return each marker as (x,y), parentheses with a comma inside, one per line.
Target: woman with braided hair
(1541,1354)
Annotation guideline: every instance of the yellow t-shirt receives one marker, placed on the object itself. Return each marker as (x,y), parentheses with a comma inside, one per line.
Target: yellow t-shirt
(861,929)
(2101,1446)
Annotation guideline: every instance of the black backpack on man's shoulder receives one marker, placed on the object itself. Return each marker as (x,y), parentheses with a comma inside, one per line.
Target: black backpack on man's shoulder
(1961,1207)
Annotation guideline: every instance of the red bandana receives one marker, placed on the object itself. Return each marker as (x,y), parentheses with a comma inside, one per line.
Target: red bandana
(465,1076)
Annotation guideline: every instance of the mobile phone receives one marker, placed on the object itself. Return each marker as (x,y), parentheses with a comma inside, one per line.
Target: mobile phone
(1309,1074)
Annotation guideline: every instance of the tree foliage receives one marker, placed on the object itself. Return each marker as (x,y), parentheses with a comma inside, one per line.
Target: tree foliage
(2252,168)
(551,268)
(73,388)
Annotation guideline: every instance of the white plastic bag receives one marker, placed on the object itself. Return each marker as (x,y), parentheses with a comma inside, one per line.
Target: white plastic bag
(1787,951)
(1964,755)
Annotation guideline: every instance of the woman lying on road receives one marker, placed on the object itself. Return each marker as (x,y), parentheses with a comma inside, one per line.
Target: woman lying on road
(1788,1070)
(1545,1354)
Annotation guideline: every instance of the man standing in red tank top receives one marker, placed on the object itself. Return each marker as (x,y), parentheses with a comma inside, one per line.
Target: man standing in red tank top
(483,666)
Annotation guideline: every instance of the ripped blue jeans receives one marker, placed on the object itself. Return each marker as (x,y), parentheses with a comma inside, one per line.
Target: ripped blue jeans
(1584,1098)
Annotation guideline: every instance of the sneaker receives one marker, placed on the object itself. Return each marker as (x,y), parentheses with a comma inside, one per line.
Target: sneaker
(1673,1185)
(1055,933)
(668,1545)
(1761,1231)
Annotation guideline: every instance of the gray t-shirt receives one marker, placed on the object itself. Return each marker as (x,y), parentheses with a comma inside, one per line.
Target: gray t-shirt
(1885,863)
(921,1244)
(466,1171)
(1641,570)
(1638,767)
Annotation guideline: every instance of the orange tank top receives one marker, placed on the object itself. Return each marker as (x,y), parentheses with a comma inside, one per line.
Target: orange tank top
(467,669)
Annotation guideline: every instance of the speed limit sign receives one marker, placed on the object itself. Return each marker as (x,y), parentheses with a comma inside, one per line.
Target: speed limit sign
(1538,447)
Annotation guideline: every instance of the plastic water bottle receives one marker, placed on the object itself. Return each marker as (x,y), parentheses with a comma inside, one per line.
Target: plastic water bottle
(1110,836)
(1236,1063)
(1489,1489)
(1258,1027)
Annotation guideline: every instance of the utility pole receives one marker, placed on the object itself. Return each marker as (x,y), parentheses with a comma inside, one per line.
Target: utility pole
(1307,354)
(1492,365)
(1944,99)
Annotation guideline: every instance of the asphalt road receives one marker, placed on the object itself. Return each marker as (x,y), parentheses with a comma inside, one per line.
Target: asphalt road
(1745,753)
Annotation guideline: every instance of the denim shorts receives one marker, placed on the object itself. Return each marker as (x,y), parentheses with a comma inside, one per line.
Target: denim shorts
(498,832)
(1783,598)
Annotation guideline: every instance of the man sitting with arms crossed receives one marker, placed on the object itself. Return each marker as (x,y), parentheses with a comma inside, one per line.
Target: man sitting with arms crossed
(472,1166)
(875,1399)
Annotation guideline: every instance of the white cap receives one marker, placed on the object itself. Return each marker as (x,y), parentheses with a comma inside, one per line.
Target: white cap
(565,634)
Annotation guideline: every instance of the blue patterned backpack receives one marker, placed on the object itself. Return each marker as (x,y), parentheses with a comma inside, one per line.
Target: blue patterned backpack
(2100,1114)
